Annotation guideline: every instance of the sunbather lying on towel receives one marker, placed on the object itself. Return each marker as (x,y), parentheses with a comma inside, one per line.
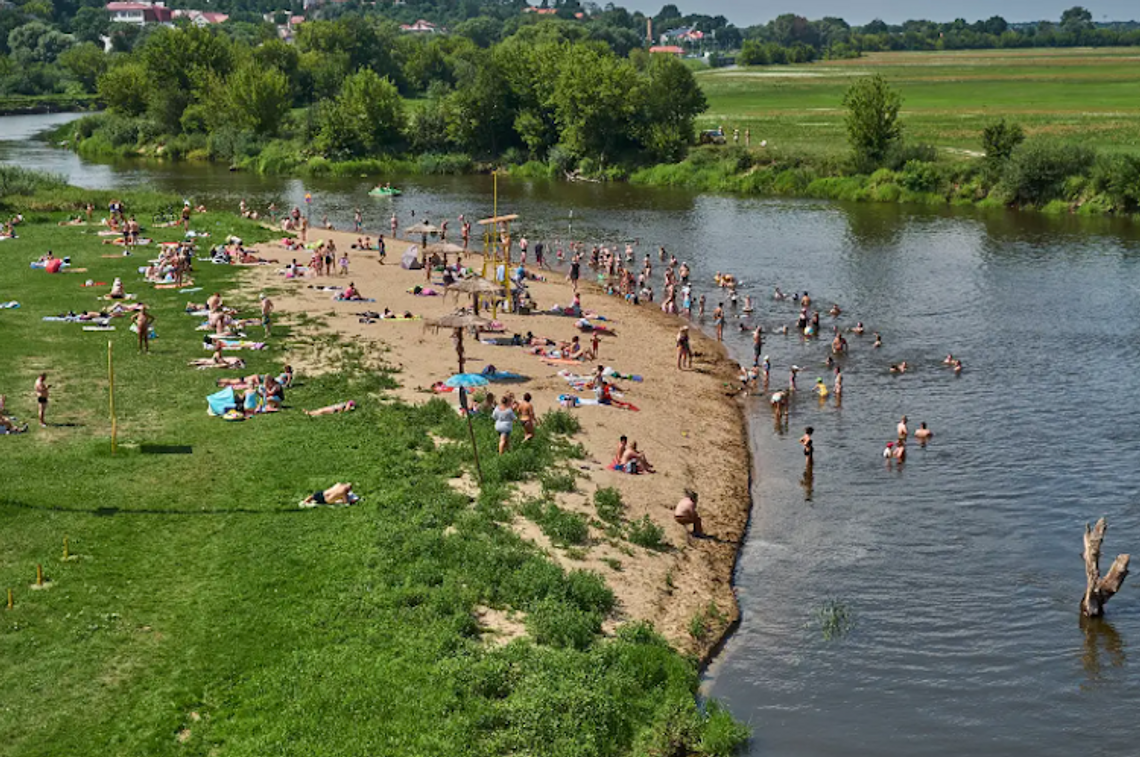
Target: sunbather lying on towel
(336,494)
(340,407)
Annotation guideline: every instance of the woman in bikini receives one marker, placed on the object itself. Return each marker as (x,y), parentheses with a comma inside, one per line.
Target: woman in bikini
(684,349)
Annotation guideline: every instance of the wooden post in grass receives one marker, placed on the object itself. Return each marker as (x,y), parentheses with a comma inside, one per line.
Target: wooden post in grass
(111,382)
(11,600)
(39,574)
(1099,590)
(471,430)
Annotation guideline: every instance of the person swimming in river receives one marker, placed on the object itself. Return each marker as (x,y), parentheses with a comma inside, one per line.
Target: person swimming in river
(878,341)
(898,368)
(834,311)
(923,434)
(857,330)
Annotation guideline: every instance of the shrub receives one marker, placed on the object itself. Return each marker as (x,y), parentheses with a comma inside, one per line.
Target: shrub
(561,526)
(561,422)
(589,592)
(1001,139)
(1118,177)
(721,736)
(645,533)
(872,118)
(901,153)
(919,176)
(609,504)
(444,163)
(558,482)
(560,624)
(1037,170)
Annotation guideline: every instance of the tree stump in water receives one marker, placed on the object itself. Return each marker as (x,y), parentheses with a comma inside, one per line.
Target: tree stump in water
(1099,590)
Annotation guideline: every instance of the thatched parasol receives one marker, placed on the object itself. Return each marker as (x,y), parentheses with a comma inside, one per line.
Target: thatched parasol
(476,285)
(422,228)
(461,321)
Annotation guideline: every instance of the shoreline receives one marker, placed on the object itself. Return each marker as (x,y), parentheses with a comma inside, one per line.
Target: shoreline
(686,587)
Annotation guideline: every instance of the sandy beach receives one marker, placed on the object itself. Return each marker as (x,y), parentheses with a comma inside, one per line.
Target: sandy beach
(689,423)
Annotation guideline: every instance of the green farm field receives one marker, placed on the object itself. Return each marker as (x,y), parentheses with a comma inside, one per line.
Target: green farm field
(1086,95)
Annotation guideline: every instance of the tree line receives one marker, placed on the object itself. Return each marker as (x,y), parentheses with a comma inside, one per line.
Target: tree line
(355,87)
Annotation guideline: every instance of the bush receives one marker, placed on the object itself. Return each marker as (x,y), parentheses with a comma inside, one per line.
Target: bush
(558,482)
(609,504)
(560,624)
(561,422)
(1000,140)
(561,526)
(721,736)
(1118,178)
(901,153)
(444,163)
(645,533)
(919,176)
(1037,170)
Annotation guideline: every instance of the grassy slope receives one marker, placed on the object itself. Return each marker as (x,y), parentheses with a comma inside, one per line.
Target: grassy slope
(206,604)
(1088,95)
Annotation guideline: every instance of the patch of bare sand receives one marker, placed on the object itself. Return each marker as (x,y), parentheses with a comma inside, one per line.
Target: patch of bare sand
(689,424)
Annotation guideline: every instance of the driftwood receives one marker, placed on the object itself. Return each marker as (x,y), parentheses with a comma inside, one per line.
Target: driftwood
(1099,589)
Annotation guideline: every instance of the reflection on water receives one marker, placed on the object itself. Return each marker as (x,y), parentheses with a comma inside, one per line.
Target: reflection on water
(960,566)
(1102,645)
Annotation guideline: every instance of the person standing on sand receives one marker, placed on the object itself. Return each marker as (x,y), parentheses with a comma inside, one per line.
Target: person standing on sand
(718,319)
(42,388)
(684,349)
(381,248)
(686,513)
(267,314)
(575,271)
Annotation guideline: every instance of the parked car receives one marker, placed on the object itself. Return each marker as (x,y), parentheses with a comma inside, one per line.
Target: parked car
(713,137)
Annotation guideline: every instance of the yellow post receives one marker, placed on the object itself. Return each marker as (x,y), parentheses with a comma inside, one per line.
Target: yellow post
(11,600)
(39,575)
(111,382)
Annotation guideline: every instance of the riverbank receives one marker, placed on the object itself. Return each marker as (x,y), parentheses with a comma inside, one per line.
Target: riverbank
(198,605)
(689,424)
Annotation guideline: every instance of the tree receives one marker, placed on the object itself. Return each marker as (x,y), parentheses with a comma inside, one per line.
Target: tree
(86,62)
(365,118)
(1076,19)
(872,118)
(1000,139)
(672,101)
(36,42)
(124,88)
(254,98)
(595,100)
(90,24)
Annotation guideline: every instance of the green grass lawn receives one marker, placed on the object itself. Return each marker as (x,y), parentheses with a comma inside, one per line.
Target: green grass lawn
(205,613)
(948,97)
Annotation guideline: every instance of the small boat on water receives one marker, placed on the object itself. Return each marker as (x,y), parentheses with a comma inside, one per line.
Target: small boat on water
(385,192)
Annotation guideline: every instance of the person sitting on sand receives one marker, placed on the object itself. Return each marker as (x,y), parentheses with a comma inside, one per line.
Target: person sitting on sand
(686,512)
(351,292)
(286,377)
(274,394)
(340,407)
(635,461)
(623,444)
(336,494)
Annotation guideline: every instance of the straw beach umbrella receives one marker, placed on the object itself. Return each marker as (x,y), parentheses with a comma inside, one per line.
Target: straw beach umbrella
(458,322)
(444,249)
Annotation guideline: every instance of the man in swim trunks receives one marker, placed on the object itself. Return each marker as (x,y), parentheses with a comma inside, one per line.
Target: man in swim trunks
(143,321)
(902,429)
(41,389)
(337,493)
(686,512)
(809,449)
(757,345)
(266,314)
(923,433)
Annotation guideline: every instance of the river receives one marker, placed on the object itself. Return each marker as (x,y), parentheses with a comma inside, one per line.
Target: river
(961,572)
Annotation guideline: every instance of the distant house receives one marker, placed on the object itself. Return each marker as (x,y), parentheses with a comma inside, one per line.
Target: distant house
(683,34)
(140,13)
(540,11)
(420,27)
(668,49)
(201,18)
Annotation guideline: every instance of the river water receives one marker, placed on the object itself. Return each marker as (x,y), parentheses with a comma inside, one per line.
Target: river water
(960,574)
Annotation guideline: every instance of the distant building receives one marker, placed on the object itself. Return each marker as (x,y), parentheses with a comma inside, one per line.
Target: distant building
(420,27)
(540,11)
(683,34)
(201,18)
(140,13)
(668,49)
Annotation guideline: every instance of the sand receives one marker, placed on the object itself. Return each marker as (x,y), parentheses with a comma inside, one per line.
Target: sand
(690,423)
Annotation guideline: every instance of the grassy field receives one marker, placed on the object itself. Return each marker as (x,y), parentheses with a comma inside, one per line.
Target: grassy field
(204,613)
(1088,95)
